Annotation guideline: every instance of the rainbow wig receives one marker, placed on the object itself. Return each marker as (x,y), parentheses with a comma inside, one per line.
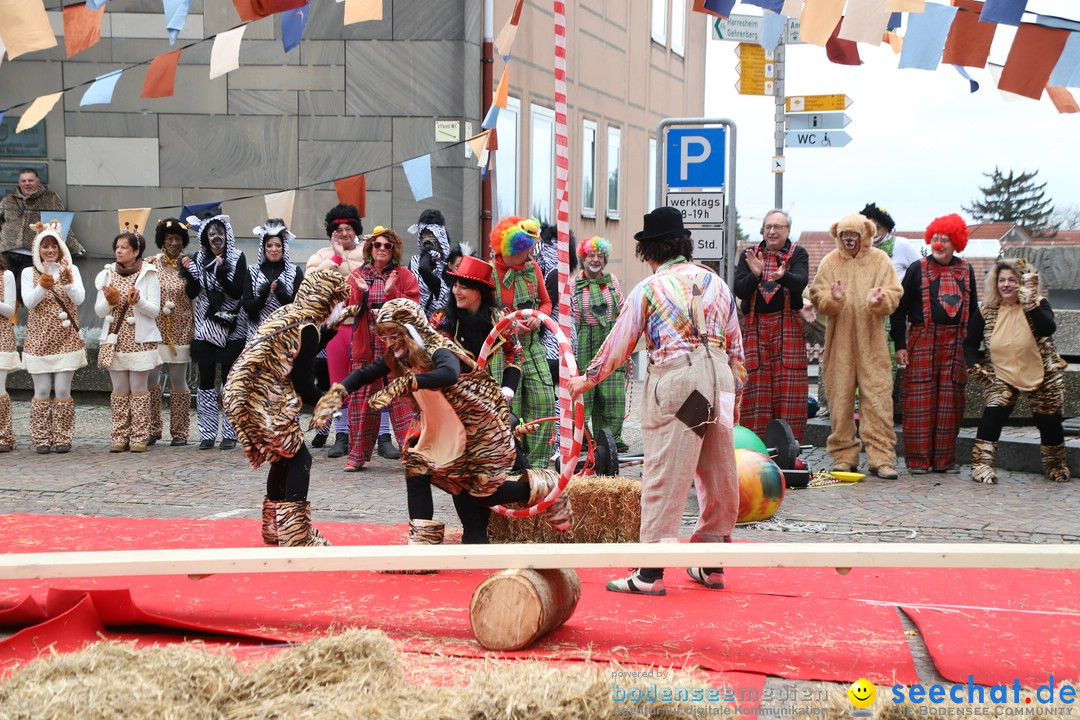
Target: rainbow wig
(513,235)
(594,244)
(952,225)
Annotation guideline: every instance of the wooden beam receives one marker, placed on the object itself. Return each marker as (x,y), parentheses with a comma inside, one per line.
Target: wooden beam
(211,561)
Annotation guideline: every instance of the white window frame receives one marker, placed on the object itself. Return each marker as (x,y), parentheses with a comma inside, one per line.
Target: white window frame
(659,21)
(650,201)
(508,158)
(614,142)
(589,138)
(678,27)
(542,163)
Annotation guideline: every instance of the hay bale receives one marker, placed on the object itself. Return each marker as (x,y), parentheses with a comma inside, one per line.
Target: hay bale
(607,509)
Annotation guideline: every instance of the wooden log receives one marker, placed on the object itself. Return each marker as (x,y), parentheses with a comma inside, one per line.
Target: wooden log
(513,609)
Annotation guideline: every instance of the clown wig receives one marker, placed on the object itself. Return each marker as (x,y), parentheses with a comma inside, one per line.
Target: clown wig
(951,225)
(594,244)
(513,235)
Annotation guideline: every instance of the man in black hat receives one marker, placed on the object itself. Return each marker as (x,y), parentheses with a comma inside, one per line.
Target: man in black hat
(688,316)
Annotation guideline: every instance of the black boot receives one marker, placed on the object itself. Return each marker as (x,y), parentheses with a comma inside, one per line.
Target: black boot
(341,446)
(320,439)
(386,449)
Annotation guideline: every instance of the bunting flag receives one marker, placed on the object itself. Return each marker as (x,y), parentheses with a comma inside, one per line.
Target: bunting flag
(95,4)
(176,12)
(842,52)
(969,39)
(478,143)
(505,40)
(1062,99)
(257,9)
(2,50)
(924,42)
(771,29)
(225,55)
(133,220)
(818,21)
(280,205)
(82,28)
(201,211)
(502,92)
(293,23)
(1034,53)
(1067,71)
(62,217)
(864,21)
(418,173)
(1003,12)
(719,8)
(357,11)
(911,6)
(775,5)
(895,42)
(792,8)
(161,76)
(353,191)
(37,111)
(25,27)
(895,20)
(974,86)
(2,114)
(101,92)
(491,119)
(995,72)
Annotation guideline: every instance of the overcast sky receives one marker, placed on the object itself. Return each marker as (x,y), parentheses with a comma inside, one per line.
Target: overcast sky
(920,139)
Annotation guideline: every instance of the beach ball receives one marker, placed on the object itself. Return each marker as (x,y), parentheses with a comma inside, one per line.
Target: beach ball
(745,438)
(761,486)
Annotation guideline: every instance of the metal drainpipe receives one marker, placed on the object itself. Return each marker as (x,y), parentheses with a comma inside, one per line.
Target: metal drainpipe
(487,65)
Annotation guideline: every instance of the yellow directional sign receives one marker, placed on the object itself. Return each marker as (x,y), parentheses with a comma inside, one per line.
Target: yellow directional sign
(817,103)
(756,70)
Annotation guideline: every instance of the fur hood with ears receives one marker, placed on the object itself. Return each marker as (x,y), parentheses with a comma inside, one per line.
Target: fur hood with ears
(51,229)
(859,224)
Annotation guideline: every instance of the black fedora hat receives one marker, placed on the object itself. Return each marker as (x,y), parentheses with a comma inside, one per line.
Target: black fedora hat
(663,222)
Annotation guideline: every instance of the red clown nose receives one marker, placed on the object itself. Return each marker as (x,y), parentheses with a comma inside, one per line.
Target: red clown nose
(938,246)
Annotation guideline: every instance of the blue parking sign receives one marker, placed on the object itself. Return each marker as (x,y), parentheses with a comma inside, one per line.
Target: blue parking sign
(695,157)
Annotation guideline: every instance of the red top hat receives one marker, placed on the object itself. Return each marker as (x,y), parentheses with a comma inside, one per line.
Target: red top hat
(475,270)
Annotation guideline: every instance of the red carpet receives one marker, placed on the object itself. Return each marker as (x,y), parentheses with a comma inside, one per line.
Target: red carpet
(735,632)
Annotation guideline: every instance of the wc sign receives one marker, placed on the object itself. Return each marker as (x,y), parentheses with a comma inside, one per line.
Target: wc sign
(695,157)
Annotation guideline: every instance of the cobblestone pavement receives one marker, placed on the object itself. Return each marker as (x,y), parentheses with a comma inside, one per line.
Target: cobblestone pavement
(186,482)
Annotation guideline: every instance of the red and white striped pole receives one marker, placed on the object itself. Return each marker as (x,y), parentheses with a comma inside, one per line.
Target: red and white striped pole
(562,214)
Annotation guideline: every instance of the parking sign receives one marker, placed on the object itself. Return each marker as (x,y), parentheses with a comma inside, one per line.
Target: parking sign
(695,157)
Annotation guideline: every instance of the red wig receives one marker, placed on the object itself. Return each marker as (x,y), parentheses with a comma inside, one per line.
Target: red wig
(951,225)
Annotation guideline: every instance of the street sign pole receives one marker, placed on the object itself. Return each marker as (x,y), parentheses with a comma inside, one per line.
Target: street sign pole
(778,135)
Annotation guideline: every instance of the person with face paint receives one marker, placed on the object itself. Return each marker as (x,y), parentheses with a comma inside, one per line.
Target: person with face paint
(428,265)
(856,288)
(595,305)
(53,348)
(769,280)
(263,395)
(221,325)
(1016,325)
(274,279)
(462,442)
(176,323)
(928,329)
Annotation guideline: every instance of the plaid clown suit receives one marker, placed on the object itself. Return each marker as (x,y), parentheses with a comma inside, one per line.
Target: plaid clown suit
(595,305)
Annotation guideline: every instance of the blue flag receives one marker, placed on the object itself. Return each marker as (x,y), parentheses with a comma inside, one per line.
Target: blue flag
(176,12)
(924,42)
(775,5)
(771,29)
(201,211)
(293,23)
(1067,71)
(95,4)
(1003,12)
(64,219)
(418,172)
(101,92)
(492,118)
(963,72)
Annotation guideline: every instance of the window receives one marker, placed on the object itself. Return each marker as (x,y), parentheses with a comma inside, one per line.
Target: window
(507,170)
(659,21)
(650,201)
(613,141)
(588,169)
(678,27)
(542,166)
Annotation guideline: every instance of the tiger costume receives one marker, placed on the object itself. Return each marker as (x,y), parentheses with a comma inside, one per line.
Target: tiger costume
(262,399)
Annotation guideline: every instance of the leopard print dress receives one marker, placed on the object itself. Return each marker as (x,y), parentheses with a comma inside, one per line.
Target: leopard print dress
(176,321)
(128,354)
(52,346)
(9,353)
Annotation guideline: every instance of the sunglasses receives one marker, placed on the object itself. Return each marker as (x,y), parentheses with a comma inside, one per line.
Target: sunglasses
(379,244)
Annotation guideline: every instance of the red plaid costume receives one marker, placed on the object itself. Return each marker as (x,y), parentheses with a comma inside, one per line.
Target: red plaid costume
(936,373)
(777,383)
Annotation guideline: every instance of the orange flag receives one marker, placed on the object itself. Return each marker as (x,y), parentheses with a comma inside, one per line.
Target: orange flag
(1063,100)
(1034,53)
(82,27)
(161,75)
(501,92)
(969,40)
(353,191)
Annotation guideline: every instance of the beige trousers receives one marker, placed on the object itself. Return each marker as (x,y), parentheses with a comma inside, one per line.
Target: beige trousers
(674,452)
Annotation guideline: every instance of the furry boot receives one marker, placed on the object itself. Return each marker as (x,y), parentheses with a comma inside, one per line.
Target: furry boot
(41,424)
(7,437)
(180,416)
(269,521)
(425,532)
(140,421)
(120,406)
(155,415)
(63,424)
(559,515)
(982,461)
(207,416)
(1055,462)
(294,526)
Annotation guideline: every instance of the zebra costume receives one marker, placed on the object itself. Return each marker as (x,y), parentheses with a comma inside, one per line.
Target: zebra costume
(429,303)
(221,325)
(261,303)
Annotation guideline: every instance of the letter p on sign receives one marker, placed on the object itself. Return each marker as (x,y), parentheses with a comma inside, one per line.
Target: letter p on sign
(695,157)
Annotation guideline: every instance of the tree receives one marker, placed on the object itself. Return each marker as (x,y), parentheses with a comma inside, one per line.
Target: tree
(740,236)
(1066,217)
(1017,199)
